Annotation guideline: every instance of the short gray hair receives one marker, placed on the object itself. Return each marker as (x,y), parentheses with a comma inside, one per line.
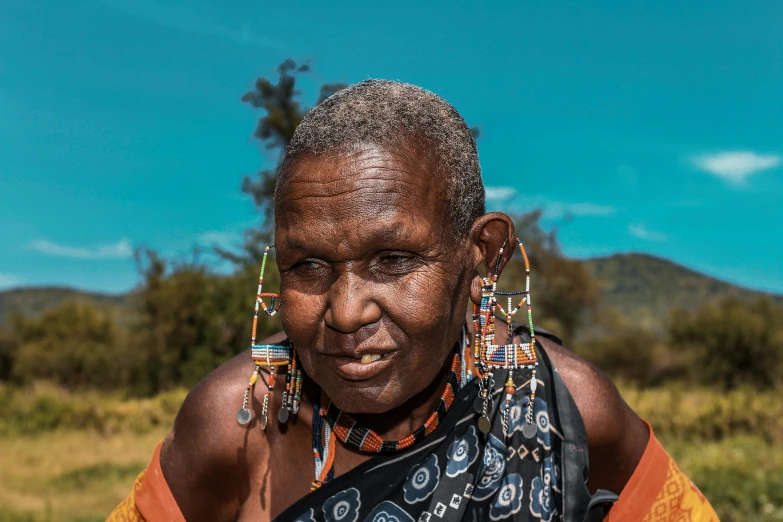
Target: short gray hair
(389,113)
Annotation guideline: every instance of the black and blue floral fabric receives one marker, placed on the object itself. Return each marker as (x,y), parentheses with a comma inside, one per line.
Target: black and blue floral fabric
(456,473)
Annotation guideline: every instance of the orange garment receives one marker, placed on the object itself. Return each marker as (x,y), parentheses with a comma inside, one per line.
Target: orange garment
(150,499)
(659,492)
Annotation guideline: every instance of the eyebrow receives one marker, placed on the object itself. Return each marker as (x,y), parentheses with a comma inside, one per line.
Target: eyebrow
(293,244)
(391,233)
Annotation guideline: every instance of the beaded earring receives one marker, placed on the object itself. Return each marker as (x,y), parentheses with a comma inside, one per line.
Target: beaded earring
(511,356)
(272,356)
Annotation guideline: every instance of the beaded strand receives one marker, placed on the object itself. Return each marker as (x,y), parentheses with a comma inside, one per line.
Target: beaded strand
(347,430)
(511,356)
(271,356)
(323,448)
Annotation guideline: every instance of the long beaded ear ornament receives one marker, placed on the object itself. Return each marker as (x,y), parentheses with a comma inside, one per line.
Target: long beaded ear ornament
(271,356)
(511,356)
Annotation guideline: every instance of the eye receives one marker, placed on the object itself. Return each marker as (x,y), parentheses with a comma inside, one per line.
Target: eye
(397,262)
(309,265)
(396,259)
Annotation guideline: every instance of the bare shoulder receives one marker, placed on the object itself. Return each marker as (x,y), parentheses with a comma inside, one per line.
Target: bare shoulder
(204,457)
(616,436)
(596,396)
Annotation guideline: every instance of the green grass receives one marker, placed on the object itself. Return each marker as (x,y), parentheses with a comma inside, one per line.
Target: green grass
(79,466)
(87,476)
(44,408)
(70,475)
(7,515)
(741,476)
(682,413)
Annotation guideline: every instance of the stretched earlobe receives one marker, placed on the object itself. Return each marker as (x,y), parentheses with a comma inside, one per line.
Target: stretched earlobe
(490,233)
(475,288)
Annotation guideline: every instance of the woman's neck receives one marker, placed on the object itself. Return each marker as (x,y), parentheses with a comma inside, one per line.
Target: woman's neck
(400,422)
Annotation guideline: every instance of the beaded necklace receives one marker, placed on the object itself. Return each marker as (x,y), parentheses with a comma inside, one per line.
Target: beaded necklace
(343,427)
(367,441)
(323,448)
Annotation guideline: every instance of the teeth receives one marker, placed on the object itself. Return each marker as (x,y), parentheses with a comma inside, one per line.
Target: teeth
(369,358)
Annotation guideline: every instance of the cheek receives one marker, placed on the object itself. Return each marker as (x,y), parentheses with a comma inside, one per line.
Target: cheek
(301,315)
(424,302)
(420,312)
(427,309)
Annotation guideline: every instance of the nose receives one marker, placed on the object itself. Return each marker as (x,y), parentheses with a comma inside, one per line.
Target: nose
(351,304)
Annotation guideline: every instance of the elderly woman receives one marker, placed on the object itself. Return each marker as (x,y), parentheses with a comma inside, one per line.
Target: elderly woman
(382,400)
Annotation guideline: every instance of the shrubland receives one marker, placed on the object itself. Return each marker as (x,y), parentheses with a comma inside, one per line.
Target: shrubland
(86,391)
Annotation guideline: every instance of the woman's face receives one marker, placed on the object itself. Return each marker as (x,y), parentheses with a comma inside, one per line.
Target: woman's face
(374,283)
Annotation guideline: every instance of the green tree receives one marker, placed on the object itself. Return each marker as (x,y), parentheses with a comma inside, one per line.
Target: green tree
(190,320)
(733,342)
(563,290)
(8,350)
(283,111)
(72,345)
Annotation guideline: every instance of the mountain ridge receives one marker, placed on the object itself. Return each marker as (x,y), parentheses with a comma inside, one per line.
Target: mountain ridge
(33,300)
(632,283)
(645,288)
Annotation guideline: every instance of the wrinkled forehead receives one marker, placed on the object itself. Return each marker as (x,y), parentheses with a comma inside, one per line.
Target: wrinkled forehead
(372,191)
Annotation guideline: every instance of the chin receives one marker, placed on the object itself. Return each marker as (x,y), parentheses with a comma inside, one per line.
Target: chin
(365,400)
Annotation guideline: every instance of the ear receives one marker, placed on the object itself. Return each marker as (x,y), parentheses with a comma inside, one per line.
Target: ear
(490,232)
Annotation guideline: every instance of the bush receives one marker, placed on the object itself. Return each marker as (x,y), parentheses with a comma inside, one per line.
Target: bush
(696,414)
(631,355)
(42,407)
(733,342)
(73,345)
(564,292)
(8,349)
(190,321)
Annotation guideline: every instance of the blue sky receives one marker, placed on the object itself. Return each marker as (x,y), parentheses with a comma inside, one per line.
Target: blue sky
(638,126)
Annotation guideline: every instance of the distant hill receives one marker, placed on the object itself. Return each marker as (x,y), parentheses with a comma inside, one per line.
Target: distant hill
(32,301)
(643,288)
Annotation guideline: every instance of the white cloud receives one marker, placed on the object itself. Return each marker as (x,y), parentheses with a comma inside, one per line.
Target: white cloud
(181,16)
(220,238)
(640,231)
(736,166)
(7,280)
(507,198)
(119,250)
(499,194)
(558,210)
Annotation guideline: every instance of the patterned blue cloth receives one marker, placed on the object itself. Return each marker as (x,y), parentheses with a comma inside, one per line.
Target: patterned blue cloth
(457,473)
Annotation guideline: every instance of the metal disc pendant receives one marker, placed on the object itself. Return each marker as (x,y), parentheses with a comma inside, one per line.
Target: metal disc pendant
(478,405)
(282,415)
(529,430)
(483,425)
(244,416)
